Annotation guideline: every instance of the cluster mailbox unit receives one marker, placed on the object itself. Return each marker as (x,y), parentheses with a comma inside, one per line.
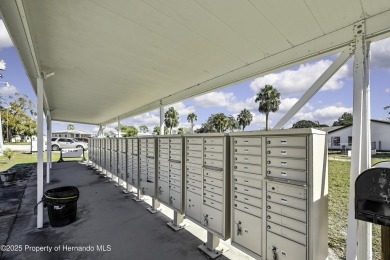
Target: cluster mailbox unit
(122,162)
(170,176)
(266,190)
(208,186)
(132,177)
(147,169)
(279,184)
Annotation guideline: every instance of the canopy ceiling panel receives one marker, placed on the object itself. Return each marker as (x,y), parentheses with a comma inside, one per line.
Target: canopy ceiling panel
(120,58)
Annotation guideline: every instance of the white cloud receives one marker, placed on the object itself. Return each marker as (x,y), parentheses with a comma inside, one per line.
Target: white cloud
(8,90)
(296,81)
(324,115)
(380,54)
(5,40)
(387,90)
(181,109)
(237,107)
(215,99)
(287,103)
(148,119)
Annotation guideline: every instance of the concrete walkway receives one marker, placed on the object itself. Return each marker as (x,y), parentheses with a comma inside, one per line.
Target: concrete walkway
(109,225)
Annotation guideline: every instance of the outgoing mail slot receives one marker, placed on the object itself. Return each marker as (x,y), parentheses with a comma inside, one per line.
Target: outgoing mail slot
(372,196)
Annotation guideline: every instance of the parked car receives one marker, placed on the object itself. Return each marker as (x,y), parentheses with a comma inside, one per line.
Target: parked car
(58,143)
(82,139)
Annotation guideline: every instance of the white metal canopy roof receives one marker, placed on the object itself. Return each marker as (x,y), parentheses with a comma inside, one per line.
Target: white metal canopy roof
(121,57)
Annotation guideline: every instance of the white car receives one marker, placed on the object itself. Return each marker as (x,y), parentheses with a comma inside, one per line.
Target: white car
(58,143)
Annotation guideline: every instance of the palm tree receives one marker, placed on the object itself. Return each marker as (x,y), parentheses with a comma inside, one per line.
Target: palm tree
(220,122)
(232,124)
(70,127)
(269,101)
(244,118)
(156,130)
(191,118)
(171,119)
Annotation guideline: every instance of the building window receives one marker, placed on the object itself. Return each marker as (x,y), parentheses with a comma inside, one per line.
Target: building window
(335,141)
(349,140)
(65,135)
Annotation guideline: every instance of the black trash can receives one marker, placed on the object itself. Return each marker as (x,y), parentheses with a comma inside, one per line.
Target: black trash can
(61,205)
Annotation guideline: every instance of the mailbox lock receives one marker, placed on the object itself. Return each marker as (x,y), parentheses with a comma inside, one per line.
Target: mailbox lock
(268,217)
(235,149)
(268,227)
(235,167)
(268,172)
(274,255)
(268,207)
(269,197)
(239,228)
(235,179)
(269,162)
(235,188)
(268,152)
(235,196)
(268,142)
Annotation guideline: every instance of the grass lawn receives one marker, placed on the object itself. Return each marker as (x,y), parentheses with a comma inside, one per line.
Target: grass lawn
(20,159)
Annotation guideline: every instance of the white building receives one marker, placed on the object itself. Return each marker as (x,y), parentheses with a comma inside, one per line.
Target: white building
(341,138)
(72,134)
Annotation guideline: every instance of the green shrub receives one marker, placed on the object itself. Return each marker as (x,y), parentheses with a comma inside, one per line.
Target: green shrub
(8,153)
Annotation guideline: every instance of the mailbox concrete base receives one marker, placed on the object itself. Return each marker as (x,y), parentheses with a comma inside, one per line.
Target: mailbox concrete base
(177,222)
(209,248)
(155,208)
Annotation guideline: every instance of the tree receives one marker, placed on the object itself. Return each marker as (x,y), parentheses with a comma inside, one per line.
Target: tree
(70,127)
(305,124)
(129,131)
(232,124)
(345,120)
(220,122)
(207,127)
(191,118)
(17,118)
(171,119)
(244,118)
(156,130)
(180,131)
(269,101)
(387,108)
(143,129)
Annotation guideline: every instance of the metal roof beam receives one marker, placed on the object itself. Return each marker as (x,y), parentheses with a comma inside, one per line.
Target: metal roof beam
(317,85)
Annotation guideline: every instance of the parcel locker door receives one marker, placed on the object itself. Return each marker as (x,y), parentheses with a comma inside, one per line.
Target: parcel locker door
(247,231)
(284,249)
(175,200)
(212,218)
(148,188)
(193,205)
(163,191)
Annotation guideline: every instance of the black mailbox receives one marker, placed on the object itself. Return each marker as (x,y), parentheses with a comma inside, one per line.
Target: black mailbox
(372,196)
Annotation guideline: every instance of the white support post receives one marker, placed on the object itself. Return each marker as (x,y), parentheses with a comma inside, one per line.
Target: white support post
(119,127)
(161,118)
(317,85)
(359,236)
(40,152)
(48,147)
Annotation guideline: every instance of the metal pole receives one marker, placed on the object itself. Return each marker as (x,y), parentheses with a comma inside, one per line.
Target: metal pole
(48,146)
(7,127)
(161,118)
(119,127)
(40,152)
(359,237)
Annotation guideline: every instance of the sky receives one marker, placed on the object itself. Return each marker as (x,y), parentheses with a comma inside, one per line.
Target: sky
(326,106)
